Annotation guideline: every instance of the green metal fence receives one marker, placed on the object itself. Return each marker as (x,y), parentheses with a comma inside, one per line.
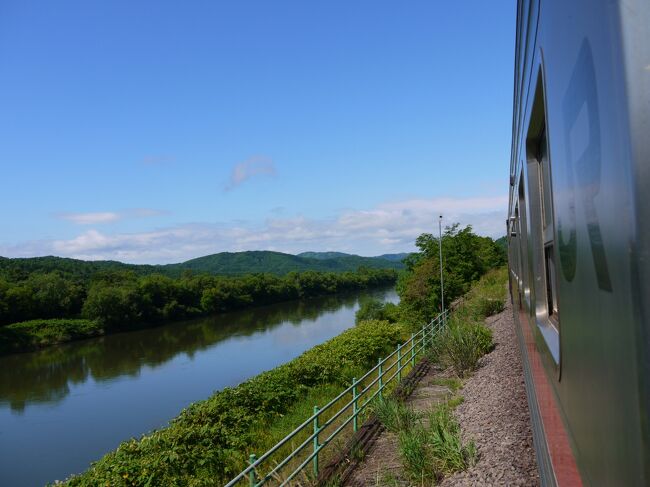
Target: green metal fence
(326,424)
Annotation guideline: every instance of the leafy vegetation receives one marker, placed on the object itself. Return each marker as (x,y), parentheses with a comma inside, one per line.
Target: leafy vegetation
(223,263)
(206,444)
(37,333)
(428,450)
(466,257)
(123,300)
(394,415)
(467,339)
(373,309)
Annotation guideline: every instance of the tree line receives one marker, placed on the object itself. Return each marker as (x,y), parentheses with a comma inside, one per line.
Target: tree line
(119,299)
(466,257)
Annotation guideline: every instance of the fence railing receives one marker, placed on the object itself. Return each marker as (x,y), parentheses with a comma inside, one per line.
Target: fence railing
(325,425)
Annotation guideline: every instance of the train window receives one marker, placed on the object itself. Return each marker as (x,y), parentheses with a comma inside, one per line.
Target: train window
(546,217)
(522,237)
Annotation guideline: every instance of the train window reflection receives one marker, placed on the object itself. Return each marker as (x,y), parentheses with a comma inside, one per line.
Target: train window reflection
(546,207)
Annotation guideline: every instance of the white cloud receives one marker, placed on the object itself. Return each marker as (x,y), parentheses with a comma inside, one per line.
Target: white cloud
(390,227)
(90,218)
(255,166)
(97,218)
(157,160)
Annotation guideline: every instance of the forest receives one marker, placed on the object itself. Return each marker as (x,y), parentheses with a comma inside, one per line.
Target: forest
(51,307)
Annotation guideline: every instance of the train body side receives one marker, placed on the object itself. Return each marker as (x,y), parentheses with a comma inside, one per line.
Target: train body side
(579,235)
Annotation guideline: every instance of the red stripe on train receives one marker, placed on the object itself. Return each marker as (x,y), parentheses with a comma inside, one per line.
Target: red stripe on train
(557,440)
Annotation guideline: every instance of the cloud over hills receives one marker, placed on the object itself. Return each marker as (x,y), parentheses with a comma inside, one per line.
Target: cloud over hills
(98,218)
(389,227)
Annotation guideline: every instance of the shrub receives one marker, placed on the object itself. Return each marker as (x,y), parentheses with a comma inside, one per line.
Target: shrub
(488,307)
(462,345)
(394,414)
(30,335)
(373,309)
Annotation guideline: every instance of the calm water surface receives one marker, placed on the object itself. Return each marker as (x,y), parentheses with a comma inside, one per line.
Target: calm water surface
(63,407)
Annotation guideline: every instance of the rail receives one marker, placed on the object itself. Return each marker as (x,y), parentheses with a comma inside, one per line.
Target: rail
(326,423)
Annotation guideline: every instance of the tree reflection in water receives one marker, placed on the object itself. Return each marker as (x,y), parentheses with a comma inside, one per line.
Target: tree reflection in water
(47,375)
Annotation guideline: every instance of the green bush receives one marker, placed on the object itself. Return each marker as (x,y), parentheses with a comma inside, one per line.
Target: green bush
(488,307)
(373,309)
(462,345)
(30,335)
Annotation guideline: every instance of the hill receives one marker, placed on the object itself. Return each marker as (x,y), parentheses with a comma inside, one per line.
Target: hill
(394,257)
(324,255)
(223,263)
(338,255)
(279,263)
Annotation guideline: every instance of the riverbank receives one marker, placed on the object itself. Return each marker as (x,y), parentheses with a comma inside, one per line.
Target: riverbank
(209,442)
(36,334)
(157,300)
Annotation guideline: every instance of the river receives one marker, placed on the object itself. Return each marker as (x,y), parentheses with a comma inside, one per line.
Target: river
(64,407)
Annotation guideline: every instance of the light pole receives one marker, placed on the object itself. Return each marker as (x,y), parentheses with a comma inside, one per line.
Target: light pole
(442,285)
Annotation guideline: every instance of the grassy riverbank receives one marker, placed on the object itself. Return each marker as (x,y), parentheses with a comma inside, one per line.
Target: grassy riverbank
(209,441)
(35,334)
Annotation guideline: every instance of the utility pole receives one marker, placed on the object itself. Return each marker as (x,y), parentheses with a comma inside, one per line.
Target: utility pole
(442,286)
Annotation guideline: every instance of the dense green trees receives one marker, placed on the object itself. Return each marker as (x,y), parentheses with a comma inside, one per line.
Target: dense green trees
(121,299)
(466,257)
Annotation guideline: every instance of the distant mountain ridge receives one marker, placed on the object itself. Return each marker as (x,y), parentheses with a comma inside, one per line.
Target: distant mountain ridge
(223,263)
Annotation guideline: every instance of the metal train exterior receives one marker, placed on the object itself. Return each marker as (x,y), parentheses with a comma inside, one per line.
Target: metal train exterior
(579,235)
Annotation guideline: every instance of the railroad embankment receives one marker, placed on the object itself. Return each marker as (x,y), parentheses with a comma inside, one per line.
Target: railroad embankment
(467,420)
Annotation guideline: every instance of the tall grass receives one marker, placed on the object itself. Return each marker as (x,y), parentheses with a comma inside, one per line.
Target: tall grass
(431,449)
(467,339)
(394,414)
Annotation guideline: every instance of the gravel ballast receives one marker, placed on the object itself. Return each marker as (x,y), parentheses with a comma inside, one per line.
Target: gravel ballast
(495,414)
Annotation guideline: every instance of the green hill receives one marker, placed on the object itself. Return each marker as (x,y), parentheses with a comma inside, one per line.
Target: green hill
(223,263)
(280,263)
(394,257)
(324,255)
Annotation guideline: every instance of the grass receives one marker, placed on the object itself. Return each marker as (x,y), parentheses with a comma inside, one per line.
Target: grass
(428,450)
(394,415)
(467,339)
(432,449)
(35,334)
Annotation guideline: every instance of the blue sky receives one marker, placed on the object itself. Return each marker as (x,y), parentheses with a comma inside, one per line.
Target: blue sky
(160,131)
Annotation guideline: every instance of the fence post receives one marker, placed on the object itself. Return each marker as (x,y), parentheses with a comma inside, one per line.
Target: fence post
(355,406)
(381,377)
(251,474)
(399,361)
(316,446)
(412,350)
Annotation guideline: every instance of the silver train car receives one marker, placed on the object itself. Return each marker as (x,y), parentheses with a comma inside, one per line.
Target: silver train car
(579,235)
